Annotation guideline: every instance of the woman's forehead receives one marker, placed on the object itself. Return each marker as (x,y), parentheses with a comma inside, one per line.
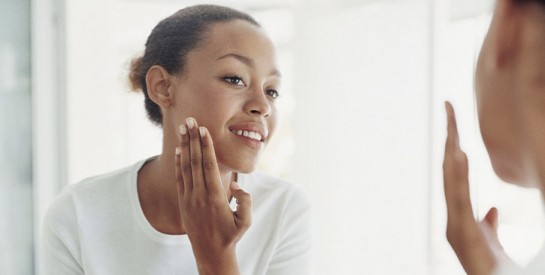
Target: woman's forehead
(235,35)
(235,38)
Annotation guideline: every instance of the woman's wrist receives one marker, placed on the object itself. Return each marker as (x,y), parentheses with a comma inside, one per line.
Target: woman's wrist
(222,263)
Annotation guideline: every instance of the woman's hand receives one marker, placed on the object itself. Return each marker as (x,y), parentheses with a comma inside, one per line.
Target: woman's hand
(475,243)
(212,227)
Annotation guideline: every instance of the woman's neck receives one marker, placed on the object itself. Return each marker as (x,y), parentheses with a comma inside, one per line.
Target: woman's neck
(158,194)
(160,172)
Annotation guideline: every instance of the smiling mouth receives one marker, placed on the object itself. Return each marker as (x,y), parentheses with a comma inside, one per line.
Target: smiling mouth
(248,134)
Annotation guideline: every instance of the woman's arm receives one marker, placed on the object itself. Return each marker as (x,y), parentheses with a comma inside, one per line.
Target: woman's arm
(475,243)
(212,227)
(59,252)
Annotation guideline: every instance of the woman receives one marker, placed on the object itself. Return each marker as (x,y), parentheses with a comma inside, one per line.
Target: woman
(510,89)
(210,81)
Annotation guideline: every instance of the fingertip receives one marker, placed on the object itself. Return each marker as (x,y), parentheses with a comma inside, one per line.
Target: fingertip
(449,109)
(492,216)
(178,151)
(242,196)
(494,212)
(235,186)
(183,129)
(191,122)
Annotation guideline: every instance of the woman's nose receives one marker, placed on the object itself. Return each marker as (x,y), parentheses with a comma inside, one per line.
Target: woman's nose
(258,103)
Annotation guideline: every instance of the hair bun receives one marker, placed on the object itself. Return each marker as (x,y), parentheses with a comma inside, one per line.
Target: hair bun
(135,74)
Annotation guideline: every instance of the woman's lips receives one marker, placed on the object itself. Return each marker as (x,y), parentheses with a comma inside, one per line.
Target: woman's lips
(252,130)
(253,134)
(249,134)
(250,141)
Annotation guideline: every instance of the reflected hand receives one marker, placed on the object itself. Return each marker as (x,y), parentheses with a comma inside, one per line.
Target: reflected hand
(212,227)
(475,243)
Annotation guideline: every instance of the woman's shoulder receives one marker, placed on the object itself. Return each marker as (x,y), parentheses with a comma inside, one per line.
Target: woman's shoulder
(534,267)
(114,185)
(114,177)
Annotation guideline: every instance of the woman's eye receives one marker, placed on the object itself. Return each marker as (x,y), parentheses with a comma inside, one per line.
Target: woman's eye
(235,80)
(273,93)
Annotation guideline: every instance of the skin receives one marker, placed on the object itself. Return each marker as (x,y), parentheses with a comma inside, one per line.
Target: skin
(229,83)
(510,92)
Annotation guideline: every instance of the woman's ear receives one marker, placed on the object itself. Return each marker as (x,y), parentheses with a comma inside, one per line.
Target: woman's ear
(505,31)
(158,82)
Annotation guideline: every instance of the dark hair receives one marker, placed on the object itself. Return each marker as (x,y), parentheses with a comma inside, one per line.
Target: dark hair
(170,42)
(530,1)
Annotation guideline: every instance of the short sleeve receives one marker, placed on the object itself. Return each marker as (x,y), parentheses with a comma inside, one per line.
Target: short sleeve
(294,252)
(534,267)
(60,252)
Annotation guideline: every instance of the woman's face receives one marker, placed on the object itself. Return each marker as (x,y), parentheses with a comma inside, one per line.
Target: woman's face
(229,85)
(499,111)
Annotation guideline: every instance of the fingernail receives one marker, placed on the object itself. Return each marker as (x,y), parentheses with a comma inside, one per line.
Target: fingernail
(183,130)
(178,150)
(202,131)
(190,122)
(235,185)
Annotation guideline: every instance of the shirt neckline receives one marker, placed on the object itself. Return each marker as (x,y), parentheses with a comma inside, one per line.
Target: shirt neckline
(141,219)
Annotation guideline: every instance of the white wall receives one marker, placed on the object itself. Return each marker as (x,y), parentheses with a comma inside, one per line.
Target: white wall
(362,124)
(106,127)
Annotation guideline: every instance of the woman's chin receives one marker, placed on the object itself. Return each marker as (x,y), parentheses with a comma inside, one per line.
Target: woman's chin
(243,167)
(512,172)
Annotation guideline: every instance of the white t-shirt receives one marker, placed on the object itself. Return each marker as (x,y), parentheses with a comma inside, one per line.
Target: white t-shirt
(535,267)
(98,227)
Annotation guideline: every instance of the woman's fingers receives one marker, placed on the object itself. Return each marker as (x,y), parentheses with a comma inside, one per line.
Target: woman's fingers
(206,215)
(199,165)
(491,218)
(185,160)
(211,171)
(452,127)
(243,214)
(469,239)
(178,172)
(195,156)
(455,172)
(489,226)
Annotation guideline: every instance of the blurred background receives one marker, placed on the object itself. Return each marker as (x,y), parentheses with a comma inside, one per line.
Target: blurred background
(362,120)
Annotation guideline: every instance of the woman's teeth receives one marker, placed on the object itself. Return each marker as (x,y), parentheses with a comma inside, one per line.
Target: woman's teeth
(248,134)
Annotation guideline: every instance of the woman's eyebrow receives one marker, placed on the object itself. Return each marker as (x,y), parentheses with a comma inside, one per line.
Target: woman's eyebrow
(247,61)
